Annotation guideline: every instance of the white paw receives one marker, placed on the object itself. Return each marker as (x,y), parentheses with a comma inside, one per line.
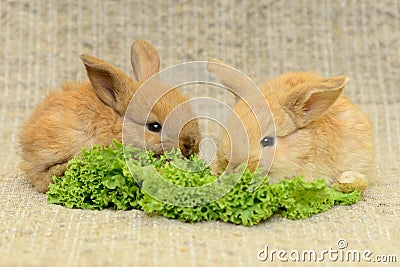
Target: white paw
(349,181)
(350,177)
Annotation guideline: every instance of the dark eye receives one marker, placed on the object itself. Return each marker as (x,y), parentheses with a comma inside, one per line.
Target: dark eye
(154,127)
(267,141)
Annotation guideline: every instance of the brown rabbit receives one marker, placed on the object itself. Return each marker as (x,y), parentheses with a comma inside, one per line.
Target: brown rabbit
(314,130)
(92,112)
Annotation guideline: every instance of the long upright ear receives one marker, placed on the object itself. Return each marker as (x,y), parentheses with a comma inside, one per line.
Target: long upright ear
(111,84)
(311,100)
(234,80)
(145,60)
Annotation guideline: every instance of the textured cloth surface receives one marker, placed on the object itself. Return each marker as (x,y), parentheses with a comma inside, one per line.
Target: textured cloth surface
(40,42)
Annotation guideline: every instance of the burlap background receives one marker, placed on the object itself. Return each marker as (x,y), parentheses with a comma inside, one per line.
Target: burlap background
(40,42)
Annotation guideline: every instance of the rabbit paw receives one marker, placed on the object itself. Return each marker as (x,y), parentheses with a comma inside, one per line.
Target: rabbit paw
(58,170)
(42,181)
(349,181)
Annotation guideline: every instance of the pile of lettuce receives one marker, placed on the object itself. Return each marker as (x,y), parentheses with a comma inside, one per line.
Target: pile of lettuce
(123,177)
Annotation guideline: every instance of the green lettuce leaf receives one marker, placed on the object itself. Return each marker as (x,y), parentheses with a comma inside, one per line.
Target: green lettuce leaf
(123,177)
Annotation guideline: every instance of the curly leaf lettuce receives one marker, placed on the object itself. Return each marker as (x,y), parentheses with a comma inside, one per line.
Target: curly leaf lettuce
(122,178)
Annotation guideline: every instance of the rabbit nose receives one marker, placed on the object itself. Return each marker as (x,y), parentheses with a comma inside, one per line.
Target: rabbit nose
(188,146)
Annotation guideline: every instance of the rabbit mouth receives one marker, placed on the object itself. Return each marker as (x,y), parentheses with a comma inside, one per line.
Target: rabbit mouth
(160,148)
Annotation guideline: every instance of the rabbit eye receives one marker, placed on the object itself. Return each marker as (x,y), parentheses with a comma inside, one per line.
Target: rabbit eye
(154,127)
(267,141)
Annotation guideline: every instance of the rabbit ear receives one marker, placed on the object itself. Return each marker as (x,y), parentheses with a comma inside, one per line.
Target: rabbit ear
(111,84)
(234,80)
(311,100)
(145,60)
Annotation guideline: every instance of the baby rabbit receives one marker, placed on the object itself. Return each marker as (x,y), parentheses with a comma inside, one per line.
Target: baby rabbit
(92,112)
(314,130)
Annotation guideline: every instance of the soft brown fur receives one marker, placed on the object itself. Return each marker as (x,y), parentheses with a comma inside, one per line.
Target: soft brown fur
(92,112)
(318,132)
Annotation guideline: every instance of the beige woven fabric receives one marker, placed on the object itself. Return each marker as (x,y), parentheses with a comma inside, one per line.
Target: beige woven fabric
(40,42)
